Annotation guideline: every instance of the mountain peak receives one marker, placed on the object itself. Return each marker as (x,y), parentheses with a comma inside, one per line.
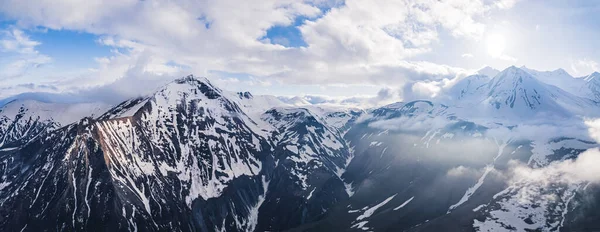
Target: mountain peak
(488,71)
(514,75)
(195,81)
(513,72)
(194,85)
(521,93)
(548,76)
(512,67)
(511,79)
(191,79)
(561,71)
(246,95)
(592,77)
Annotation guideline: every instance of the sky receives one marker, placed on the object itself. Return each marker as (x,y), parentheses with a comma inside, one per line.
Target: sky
(374,50)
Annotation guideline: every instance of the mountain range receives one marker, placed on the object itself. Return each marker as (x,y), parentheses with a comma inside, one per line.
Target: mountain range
(498,151)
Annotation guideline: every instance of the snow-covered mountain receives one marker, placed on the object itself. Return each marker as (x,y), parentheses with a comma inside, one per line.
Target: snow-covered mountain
(469,86)
(194,157)
(23,120)
(591,86)
(488,71)
(515,92)
(189,149)
(586,87)
(513,96)
(559,78)
(295,101)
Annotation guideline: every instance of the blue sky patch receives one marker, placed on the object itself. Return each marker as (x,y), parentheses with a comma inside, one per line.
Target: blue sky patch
(288,36)
(69,48)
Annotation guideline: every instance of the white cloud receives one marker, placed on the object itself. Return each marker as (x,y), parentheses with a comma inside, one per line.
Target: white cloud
(467,55)
(593,128)
(584,66)
(18,56)
(554,183)
(356,42)
(426,90)
(14,40)
(384,96)
(572,171)
(527,182)
(460,171)
(419,123)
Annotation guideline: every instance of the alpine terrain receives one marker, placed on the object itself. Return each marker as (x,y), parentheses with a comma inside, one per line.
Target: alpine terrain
(510,150)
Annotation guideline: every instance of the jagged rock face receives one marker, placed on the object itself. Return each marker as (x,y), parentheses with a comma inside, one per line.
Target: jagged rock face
(20,127)
(24,120)
(311,144)
(308,170)
(201,143)
(183,145)
(195,133)
(60,182)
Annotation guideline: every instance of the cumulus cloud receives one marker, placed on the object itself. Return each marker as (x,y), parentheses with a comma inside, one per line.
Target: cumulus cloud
(584,66)
(433,88)
(555,183)
(426,90)
(356,42)
(593,128)
(572,171)
(560,178)
(419,123)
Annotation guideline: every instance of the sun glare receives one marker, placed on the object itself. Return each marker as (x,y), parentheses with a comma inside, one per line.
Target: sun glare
(496,44)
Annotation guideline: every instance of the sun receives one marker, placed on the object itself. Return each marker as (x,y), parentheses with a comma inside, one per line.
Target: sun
(496,43)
